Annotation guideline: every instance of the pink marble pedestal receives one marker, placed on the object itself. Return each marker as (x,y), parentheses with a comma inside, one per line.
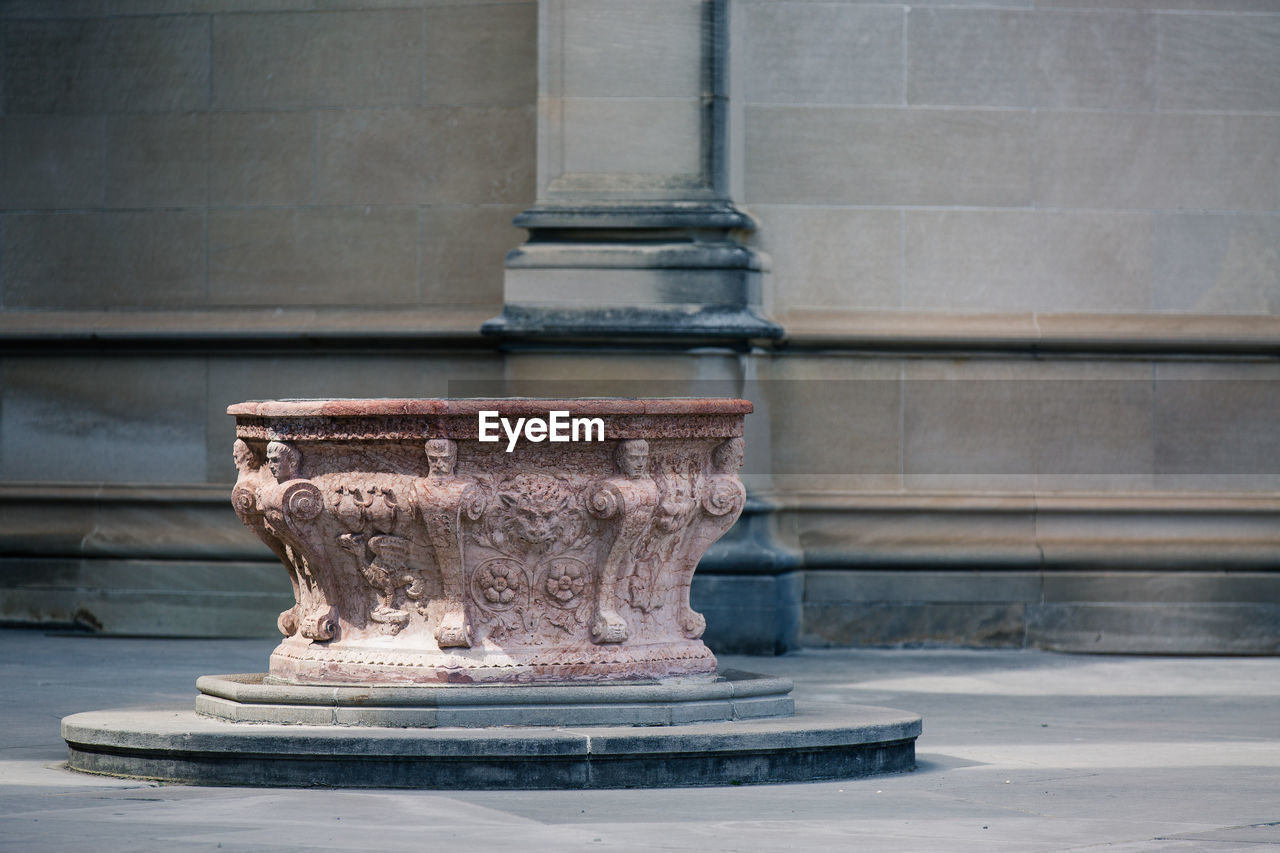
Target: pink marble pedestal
(420,554)
(554,578)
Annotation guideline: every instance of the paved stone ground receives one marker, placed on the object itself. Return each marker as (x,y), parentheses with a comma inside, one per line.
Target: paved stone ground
(1022,751)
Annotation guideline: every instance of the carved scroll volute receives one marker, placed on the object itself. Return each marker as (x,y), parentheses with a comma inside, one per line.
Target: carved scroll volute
(291,506)
(302,504)
(443,499)
(725,498)
(320,624)
(629,501)
(253,477)
(722,502)
(475,502)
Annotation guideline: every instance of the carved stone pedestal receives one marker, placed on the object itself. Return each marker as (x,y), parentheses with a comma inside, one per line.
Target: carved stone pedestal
(491,614)
(421,554)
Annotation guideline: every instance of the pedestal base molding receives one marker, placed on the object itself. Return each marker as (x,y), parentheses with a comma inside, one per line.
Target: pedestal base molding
(819,742)
(672,701)
(308,662)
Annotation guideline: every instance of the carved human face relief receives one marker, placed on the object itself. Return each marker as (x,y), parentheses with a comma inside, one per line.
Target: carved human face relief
(442,454)
(633,458)
(728,457)
(242,455)
(283,461)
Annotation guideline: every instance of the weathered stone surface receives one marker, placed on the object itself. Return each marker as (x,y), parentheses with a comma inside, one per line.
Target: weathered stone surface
(67,9)
(1033,531)
(634,285)
(1162,161)
(261,157)
(52,161)
(620,49)
(1169,5)
(865,397)
(481,54)
(823,53)
(157,522)
(82,419)
(1216,264)
(1040,261)
(135,259)
(313,255)
(833,586)
(1018,426)
(828,258)
(479,564)
(462,252)
(632,136)
(1008,332)
(1219,62)
(1185,587)
(1217,425)
(1156,628)
(172,596)
(756,614)
(998,58)
(899,623)
(158,160)
(1112,173)
(437,155)
(364,156)
(672,322)
(143,64)
(320,59)
(869,156)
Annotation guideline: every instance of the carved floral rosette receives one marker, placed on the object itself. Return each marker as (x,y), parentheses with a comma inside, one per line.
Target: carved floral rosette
(419,554)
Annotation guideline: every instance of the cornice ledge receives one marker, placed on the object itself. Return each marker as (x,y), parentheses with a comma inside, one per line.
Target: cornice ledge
(243,327)
(1030,331)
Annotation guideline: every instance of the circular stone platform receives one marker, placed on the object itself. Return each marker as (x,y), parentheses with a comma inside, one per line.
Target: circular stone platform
(735,729)
(831,742)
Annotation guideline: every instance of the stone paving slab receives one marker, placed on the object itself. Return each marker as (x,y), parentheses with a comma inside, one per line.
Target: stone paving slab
(1022,752)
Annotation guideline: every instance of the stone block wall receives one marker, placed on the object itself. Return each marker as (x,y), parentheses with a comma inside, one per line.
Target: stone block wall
(1109,157)
(236,155)
(204,202)
(1036,243)
(1023,254)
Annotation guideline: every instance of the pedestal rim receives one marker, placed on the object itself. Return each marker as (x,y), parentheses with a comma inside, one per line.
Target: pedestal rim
(469,406)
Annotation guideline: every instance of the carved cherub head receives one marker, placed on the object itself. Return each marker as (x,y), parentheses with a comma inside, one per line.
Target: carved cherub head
(243,456)
(284,460)
(632,458)
(442,456)
(727,458)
